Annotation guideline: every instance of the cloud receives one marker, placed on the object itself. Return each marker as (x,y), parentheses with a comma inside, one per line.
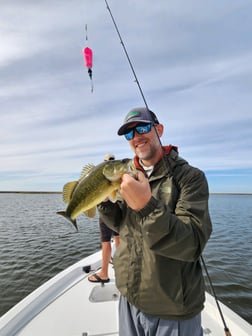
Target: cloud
(193,62)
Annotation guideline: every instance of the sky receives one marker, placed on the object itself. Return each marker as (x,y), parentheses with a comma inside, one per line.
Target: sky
(192,59)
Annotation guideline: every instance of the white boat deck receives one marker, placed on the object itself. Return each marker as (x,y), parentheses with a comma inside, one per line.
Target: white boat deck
(70,305)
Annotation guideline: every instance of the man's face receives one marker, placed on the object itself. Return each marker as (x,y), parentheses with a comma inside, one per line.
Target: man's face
(147,146)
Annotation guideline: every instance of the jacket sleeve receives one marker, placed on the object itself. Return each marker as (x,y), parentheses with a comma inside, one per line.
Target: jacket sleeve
(183,233)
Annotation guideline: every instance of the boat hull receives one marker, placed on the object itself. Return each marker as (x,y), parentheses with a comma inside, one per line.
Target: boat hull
(69,304)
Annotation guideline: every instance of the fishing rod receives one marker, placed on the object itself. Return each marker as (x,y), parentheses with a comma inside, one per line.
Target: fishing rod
(226,329)
(127,55)
(227,332)
(135,76)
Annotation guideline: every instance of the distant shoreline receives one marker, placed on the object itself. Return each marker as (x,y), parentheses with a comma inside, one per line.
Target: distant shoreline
(30,192)
(60,192)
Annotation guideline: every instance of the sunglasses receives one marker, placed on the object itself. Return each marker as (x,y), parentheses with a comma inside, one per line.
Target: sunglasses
(140,129)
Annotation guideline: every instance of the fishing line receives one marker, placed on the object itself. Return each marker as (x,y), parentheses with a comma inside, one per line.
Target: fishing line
(86,32)
(227,332)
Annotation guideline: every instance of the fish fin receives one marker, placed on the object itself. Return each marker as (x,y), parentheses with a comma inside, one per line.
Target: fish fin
(68,190)
(113,196)
(73,221)
(90,212)
(87,169)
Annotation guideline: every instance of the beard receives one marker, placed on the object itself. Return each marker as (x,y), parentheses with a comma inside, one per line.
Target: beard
(146,155)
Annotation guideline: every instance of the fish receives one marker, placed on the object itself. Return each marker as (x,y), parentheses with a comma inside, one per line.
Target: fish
(96,183)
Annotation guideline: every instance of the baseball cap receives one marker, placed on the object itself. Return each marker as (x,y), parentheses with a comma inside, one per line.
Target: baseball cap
(109,157)
(139,115)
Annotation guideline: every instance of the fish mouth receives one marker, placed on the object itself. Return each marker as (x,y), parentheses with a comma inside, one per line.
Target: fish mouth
(131,168)
(127,167)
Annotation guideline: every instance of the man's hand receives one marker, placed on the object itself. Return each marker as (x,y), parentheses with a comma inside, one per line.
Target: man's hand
(136,193)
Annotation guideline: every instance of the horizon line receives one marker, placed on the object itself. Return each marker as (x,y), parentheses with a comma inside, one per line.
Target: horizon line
(60,192)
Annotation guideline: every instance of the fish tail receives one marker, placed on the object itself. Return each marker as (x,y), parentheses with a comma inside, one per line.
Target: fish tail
(73,221)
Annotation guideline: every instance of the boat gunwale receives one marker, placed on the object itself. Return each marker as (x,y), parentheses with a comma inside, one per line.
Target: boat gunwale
(27,309)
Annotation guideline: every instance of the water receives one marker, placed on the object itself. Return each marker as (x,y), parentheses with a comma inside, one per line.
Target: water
(36,244)
(228,254)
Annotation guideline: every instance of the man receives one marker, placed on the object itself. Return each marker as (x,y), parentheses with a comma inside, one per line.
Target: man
(164,224)
(106,236)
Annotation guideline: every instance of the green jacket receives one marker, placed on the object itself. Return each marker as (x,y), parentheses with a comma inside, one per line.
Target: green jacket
(157,265)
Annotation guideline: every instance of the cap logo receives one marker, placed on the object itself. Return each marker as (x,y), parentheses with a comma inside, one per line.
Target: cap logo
(133,114)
